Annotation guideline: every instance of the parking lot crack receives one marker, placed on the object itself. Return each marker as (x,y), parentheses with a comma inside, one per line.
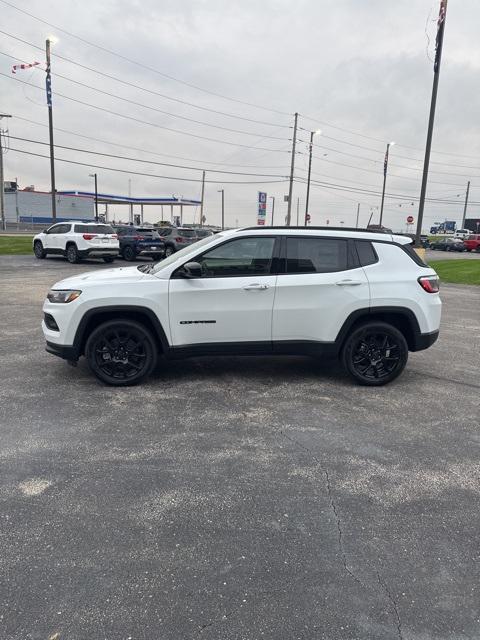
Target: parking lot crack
(385,588)
(334,508)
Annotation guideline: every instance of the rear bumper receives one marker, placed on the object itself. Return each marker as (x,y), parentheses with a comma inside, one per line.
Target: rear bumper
(98,251)
(423,341)
(151,252)
(66,352)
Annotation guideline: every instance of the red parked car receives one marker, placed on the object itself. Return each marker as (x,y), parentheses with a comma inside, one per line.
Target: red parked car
(472,243)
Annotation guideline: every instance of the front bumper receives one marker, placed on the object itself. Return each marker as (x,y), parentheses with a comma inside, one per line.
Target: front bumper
(67,352)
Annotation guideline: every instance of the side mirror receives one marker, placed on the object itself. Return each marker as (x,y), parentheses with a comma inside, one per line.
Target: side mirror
(45,231)
(192,270)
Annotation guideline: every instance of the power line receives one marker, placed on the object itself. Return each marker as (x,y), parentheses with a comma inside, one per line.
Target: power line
(146,106)
(163,164)
(148,175)
(151,124)
(140,64)
(153,153)
(151,91)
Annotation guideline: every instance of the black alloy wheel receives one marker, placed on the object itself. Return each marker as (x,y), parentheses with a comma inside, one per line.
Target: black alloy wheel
(375,353)
(169,251)
(121,352)
(72,254)
(38,250)
(129,253)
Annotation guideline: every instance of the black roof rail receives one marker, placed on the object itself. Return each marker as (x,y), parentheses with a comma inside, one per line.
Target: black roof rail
(329,228)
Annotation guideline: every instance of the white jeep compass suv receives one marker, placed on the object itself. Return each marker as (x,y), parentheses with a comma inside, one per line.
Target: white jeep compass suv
(365,297)
(77,240)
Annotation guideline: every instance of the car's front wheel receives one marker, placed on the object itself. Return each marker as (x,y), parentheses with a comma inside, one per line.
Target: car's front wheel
(38,250)
(121,352)
(375,353)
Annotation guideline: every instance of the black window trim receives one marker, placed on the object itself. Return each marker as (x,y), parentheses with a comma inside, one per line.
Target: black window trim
(273,267)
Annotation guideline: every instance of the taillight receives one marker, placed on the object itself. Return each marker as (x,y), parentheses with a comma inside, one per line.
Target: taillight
(180,239)
(114,236)
(430,284)
(89,236)
(138,238)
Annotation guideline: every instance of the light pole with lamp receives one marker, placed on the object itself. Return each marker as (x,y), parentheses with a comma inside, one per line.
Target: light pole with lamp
(94,175)
(2,186)
(385,169)
(222,191)
(312,133)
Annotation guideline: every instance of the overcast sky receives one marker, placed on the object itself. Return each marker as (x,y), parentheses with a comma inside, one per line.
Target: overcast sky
(359,70)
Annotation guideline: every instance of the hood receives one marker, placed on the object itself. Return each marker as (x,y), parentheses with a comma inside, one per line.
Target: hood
(103,276)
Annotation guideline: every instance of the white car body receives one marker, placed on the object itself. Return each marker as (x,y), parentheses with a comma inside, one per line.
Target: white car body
(292,312)
(91,239)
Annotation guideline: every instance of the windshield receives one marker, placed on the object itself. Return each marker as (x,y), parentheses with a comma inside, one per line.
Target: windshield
(183,252)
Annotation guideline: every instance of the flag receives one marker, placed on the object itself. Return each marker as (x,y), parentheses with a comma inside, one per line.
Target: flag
(24,66)
(48,87)
(438,40)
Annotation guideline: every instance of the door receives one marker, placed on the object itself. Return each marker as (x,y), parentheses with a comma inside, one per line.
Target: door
(233,299)
(51,240)
(322,286)
(61,236)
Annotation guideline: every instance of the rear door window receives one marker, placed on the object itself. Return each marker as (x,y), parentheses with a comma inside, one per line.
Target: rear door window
(316,255)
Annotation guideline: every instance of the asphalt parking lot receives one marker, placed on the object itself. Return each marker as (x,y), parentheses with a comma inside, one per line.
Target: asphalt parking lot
(236,498)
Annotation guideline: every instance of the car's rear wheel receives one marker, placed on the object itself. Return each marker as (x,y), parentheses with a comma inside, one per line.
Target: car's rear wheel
(375,353)
(38,250)
(129,254)
(121,352)
(72,254)
(169,250)
(108,259)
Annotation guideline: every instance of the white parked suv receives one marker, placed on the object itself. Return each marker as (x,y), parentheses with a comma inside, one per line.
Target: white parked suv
(77,240)
(364,297)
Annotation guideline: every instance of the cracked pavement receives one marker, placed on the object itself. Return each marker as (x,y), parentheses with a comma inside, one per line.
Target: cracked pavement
(237,498)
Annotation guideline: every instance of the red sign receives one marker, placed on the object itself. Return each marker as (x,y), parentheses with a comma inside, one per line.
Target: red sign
(260,221)
(410,220)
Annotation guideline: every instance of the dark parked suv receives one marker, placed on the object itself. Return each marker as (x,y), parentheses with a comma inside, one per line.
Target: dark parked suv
(140,241)
(177,238)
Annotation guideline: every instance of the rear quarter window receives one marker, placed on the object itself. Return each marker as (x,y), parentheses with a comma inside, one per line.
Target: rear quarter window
(366,253)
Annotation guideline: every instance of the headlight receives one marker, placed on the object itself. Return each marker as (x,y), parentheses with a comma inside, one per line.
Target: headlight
(62,296)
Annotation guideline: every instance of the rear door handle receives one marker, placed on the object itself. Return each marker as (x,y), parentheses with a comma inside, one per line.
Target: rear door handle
(255,287)
(348,283)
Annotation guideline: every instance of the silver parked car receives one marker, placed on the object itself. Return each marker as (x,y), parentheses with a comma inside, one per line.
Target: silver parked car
(176,238)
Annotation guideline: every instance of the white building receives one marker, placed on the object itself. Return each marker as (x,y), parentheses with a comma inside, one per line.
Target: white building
(35,207)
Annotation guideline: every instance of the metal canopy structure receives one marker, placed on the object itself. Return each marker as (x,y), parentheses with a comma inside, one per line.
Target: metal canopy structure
(131,201)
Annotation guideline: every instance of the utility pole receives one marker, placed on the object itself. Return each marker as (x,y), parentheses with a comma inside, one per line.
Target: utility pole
(201,203)
(94,175)
(48,86)
(273,207)
(292,169)
(298,209)
(310,149)
(2,180)
(222,191)
(358,214)
(385,169)
(465,206)
(442,16)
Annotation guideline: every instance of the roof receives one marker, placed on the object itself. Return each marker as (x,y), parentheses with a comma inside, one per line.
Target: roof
(107,198)
(337,232)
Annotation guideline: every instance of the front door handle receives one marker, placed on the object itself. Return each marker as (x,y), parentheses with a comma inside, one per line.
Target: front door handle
(348,283)
(256,287)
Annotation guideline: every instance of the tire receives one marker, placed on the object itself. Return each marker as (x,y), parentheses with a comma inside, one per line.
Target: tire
(169,250)
(129,254)
(121,352)
(108,259)
(72,254)
(38,250)
(375,353)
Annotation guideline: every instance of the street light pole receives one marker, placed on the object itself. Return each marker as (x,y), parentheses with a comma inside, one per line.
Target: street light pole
(273,207)
(222,191)
(312,133)
(2,186)
(385,169)
(358,215)
(465,205)
(442,16)
(48,86)
(201,202)
(94,175)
